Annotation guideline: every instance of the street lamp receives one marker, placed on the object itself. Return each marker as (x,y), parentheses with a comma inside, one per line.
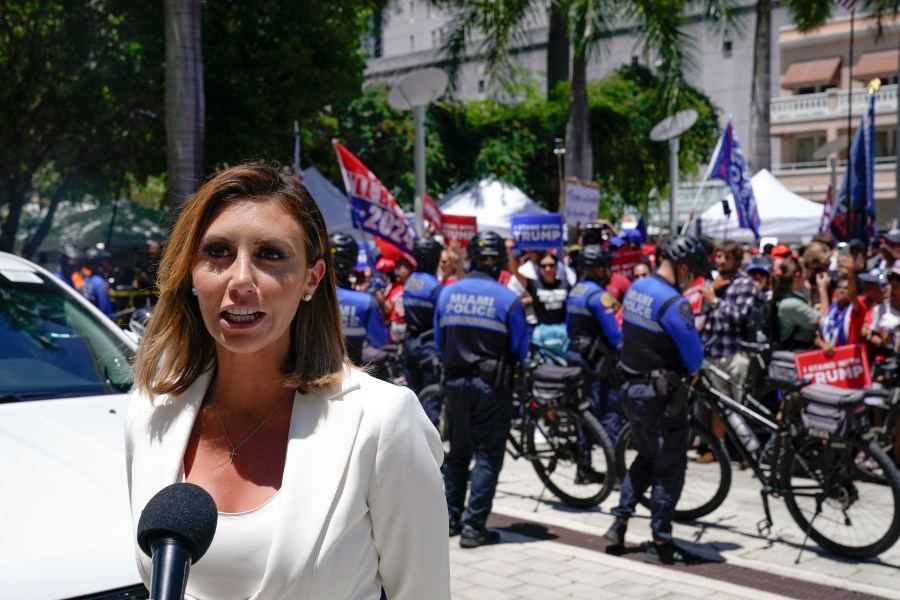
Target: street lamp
(559,149)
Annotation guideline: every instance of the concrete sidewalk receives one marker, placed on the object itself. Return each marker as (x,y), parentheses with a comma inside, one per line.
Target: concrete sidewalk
(731,532)
(522,568)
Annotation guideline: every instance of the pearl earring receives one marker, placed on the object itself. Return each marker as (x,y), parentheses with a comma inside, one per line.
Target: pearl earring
(194,291)
(307,297)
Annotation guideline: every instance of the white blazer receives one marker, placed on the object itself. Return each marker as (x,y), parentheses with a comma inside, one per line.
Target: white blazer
(362,502)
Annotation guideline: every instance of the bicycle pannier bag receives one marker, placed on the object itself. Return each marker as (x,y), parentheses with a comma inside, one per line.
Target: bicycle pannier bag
(782,365)
(833,410)
(553,382)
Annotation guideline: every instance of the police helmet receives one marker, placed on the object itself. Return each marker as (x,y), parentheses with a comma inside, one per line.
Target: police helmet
(593,257)
(344,251)
(96,255)
(483,247)
(427,254)
(70,253)
(688,250)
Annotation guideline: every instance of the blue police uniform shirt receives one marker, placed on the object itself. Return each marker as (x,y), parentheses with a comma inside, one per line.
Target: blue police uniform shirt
(420,293)
(658,328)
(96,289)
(478,319)
(361,321)
(591,311)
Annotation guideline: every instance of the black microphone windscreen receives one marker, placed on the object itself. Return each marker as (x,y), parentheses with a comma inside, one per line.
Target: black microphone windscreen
(182,510)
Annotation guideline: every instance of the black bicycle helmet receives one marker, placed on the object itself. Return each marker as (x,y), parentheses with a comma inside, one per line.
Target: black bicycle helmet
(592,257)
(688,250)
(344,251)
(427,254)
(486,246)
(96,255)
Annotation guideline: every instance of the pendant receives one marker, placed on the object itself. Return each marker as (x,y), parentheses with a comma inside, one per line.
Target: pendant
(233,453)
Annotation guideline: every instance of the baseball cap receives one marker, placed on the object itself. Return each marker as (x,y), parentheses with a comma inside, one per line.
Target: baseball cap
(873,276)
(781,250)
(616,242)
(760,263)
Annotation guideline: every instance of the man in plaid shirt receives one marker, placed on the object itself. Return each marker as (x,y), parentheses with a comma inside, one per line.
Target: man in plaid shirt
(731,296)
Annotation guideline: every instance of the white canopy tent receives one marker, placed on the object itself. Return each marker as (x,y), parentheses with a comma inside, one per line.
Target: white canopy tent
(333,203)
(491,201)
(782,214)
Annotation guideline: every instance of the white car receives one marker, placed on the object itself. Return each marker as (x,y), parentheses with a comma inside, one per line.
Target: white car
(65,523)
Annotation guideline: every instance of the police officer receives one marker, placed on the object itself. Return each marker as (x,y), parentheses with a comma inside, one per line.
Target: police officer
(480,331)
(360,313)
(595,334)
(420,292)
(96,281)
(661,349)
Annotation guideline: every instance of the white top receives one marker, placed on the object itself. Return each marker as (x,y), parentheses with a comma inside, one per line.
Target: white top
(234,565)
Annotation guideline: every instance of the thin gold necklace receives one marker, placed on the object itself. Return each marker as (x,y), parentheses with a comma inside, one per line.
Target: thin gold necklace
(234,448)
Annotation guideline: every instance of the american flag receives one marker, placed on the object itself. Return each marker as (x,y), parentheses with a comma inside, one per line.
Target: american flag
(846,4)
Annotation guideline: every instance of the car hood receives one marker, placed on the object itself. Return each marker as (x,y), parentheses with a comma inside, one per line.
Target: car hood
(64,510)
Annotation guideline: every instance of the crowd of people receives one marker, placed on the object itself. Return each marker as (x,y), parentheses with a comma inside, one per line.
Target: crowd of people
(628,326)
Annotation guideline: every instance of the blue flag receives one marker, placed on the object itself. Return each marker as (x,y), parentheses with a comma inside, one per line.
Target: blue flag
(854,214)
(729,166)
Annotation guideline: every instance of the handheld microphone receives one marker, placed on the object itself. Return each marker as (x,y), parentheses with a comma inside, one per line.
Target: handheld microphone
(175,530)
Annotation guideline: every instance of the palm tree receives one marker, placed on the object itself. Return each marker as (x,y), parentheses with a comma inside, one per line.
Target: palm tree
(503,22)
(184,98)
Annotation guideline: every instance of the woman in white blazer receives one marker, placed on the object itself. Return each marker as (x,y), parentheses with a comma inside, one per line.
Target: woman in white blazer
(326,480)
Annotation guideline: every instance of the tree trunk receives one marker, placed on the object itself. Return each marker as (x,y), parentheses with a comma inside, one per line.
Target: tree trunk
(35,241)
(761,94)
(557,49)
(14,199)
(184,99)
(896,220)
(579,153)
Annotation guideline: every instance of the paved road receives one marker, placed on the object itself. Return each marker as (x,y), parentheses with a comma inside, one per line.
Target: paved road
(562,555)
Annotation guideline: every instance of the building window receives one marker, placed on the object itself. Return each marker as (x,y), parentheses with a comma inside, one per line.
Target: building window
(886,142)
(807,145)
(412,10)
(412,43)
(726,49)
(434,38)
(481,86)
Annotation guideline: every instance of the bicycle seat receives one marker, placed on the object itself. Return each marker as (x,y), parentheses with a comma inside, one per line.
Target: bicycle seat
(753,347)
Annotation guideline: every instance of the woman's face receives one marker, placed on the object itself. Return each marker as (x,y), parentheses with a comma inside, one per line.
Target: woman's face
(250,272)
(841,293)
(446,265)
(547,267)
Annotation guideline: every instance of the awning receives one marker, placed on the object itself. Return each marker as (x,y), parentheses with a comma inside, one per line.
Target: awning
(877,64)
(806,73)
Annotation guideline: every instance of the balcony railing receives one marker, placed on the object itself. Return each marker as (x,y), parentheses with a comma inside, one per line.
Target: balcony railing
(830,105)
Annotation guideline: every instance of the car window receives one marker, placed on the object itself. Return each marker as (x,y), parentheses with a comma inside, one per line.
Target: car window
(53,347)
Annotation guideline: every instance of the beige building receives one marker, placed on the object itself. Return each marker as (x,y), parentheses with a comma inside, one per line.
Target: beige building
(821,86)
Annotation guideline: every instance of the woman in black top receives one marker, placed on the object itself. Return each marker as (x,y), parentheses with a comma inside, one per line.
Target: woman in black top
(548,290)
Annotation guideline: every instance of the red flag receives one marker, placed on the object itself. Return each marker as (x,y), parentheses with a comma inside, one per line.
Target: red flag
(374,208)
(432,214)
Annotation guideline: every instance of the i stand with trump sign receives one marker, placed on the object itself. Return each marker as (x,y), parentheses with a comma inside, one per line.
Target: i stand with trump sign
(537,232)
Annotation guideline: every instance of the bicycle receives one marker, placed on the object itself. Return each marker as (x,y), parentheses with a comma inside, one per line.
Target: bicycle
(838,484)
(553,428)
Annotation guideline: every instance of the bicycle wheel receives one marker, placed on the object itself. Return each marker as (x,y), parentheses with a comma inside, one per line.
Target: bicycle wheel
(706,483)
(845,497)
(571,454)
(432,399)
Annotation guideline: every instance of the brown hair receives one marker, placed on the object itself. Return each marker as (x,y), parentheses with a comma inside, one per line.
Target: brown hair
(733,248)
(177,348)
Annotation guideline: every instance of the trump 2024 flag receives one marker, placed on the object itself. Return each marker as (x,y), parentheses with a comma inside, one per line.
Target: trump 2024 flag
(374,208)
(729,166)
